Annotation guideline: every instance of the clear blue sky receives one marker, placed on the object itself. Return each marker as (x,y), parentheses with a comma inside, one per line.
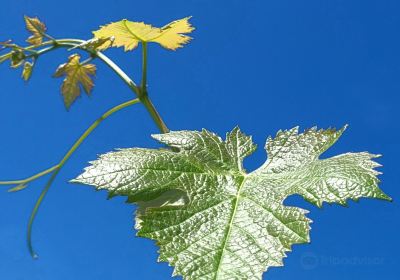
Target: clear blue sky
(262,65)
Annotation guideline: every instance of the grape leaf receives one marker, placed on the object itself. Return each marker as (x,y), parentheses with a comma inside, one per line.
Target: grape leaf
(37,28)
(211,219)
(128,34)
(77,75)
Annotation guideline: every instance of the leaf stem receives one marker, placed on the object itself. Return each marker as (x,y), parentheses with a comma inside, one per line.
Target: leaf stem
(144,67)
(128,81)
(57,169)
(144,96)
(154,114)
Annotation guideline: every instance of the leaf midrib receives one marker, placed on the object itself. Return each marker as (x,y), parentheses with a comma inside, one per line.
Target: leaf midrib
(73,78)
(230,226)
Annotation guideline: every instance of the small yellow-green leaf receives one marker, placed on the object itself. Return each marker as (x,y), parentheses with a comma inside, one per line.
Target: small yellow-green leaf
(128,34)
(36,28)
(27,71)
(77,75)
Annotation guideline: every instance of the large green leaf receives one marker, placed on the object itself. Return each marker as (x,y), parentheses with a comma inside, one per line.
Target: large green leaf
(210,218)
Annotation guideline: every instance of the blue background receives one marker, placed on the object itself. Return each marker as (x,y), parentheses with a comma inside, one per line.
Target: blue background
(262,65)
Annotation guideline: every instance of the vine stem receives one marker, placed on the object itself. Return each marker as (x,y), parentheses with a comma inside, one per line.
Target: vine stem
(141,92)
(142,97)
(57,169)
(144,67)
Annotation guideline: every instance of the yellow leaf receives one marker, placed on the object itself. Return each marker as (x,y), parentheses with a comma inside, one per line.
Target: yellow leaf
(37,28)
(128,34)
(77,75)
(171,35)
(27,71)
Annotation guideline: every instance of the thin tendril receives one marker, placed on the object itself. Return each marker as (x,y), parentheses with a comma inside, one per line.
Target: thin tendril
(61,164)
